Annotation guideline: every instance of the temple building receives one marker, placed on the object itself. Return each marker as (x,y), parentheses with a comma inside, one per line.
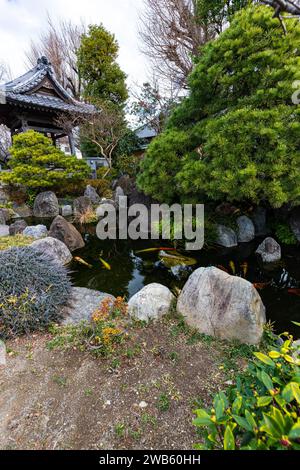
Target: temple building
(35,101)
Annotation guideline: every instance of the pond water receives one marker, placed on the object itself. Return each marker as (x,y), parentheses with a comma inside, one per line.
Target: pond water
(130,271)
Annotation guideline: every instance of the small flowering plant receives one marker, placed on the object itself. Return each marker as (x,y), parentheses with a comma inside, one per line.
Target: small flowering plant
(262,411)
(108,325)
(101,335)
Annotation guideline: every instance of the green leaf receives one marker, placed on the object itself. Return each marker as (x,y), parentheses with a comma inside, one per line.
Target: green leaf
(203,418)
(229,442)
(266,380)
(264,401)
(296,391)
(289,358)
(271,426)
(265,359)
(219,406)
(242,422)
(295,431)
(237,404)
(281,402)
(250,419)
(291,392)
(277,415)
(274,354)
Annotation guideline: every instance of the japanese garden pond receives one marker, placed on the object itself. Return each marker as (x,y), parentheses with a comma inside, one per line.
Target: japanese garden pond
(131,267)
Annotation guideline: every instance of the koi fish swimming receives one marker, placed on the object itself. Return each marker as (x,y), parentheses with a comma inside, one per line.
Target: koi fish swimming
(105,265)
(294,292)
(81,261)
(149,250)
(244,267)
(232,267)
(261,285)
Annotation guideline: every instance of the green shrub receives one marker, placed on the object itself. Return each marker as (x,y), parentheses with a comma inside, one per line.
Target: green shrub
(16,193)
(70,188)
(236,136)
(109,176)
(262,410)
(33,288)
(285,235)
(37,164)
(108,194)
(101,185)
(129,165)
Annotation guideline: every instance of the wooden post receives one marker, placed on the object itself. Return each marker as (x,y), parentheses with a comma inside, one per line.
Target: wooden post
(53,138)
(72,143)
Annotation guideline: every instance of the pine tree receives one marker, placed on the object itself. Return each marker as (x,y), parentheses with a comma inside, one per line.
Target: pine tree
(37,164)
(237,135)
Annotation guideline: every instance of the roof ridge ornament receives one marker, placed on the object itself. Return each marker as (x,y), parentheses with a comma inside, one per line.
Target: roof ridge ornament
(43,63)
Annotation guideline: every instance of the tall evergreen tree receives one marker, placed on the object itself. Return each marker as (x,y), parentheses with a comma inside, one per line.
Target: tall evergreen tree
(97,61)
(237,136)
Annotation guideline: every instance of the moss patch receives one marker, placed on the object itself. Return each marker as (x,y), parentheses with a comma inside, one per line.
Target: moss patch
(16,240)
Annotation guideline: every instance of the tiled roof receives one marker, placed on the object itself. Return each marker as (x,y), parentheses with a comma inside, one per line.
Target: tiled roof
(21,91)
(46,102)
(146,132)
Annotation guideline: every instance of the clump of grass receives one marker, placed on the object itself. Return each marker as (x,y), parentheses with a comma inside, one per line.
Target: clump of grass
(120,430)
(88,217)
(16,240)
(60,380)
(163,402)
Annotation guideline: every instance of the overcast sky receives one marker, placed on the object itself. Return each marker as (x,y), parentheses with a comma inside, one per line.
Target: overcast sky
(23,20)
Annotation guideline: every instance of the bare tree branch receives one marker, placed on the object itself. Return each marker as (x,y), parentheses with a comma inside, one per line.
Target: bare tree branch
(59,43)
(5,143)
(5,72)
(284,6)
(104,128)
(172,36)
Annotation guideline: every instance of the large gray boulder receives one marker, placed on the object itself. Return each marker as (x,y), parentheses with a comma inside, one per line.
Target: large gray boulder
(66,233)
(226,236)
(17,227)
(295,223)
(151,303)
(4,230)
(92,194)
(81,205)
(269,251)
(36,231)
(221,305)
(22,211)
(54,248)
(82,304)
(46,205)
(246,229)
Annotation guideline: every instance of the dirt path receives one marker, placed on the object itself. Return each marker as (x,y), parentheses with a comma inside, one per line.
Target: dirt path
(70,400)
